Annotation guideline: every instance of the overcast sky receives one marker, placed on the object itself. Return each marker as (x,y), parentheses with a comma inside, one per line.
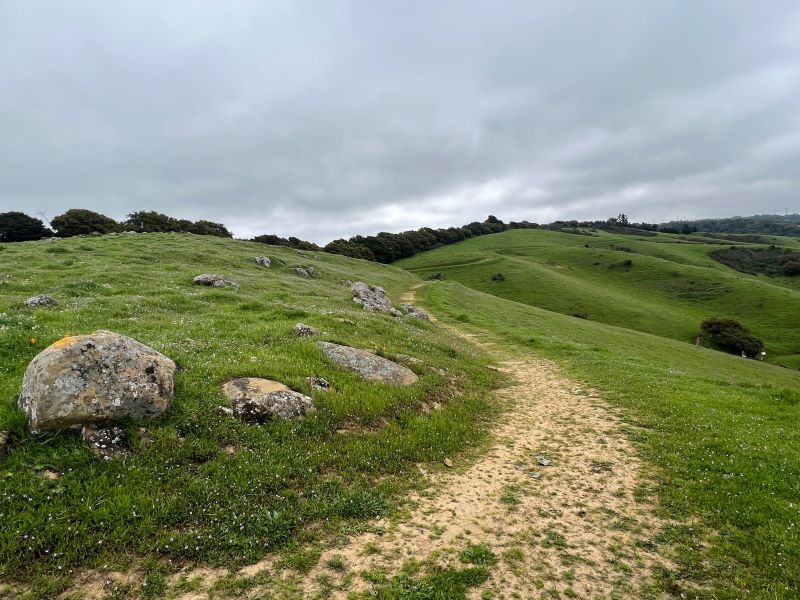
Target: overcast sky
(328,118)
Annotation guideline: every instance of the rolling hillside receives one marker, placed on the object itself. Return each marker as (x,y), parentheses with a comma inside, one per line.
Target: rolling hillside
(664,284)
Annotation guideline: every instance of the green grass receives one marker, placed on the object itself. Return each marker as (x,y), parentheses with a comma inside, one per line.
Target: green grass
(671,286)
(719,434)
(189,501)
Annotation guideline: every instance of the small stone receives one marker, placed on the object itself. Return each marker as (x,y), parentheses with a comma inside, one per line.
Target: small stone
(5,442)
(545,462)
(312,272)
(255,400)
(224,411)
(40,301)
(50,473)
(262,261)
(448,463)
(108,443)
(214,280)
(301,272)
(727,475)
(302,330)
(319,383)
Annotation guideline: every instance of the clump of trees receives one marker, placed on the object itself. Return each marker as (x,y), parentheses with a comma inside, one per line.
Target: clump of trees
(731,336)
(19,227)
(388,247)
(772,261)
(79,221)
(155,222)
(291,242)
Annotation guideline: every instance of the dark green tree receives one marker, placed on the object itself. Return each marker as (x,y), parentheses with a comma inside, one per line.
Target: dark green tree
(19,227)
(79,221)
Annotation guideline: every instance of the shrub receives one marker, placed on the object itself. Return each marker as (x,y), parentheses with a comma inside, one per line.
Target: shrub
(437,276)
(79,221)
(498,277)
(731,336)
(19,227)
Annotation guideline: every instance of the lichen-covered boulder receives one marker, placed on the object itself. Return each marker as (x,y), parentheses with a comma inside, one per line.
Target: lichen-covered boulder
(256,400)
(301,272)
(368,365)
(95,379)
(214,280)
(40,301)
(373,298)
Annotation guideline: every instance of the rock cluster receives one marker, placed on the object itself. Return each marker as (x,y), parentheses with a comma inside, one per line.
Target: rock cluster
(373,298)
(108,443)
(256,400)
(306,272)
(262,261)
(214,280)
(368,365)
(40,301)
(302,330)
(95,379)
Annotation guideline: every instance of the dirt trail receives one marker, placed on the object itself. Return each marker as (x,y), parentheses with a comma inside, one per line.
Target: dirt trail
(572,526)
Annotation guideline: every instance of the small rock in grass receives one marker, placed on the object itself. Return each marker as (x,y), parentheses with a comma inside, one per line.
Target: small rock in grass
(5,443)
(448,463)
(40,301)
(545,462)
(301,272)
(224,411)
(368,365)
(108,443)
(255,400)
(414,312)
(214,280)
(50,473)
(373,298)
(319,383)
(262,261)
(302,330)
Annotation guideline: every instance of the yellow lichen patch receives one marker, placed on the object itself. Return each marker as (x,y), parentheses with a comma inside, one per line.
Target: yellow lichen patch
(65,341)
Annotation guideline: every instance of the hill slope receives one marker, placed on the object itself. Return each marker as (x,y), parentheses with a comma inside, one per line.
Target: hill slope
(200,486)
(664,284)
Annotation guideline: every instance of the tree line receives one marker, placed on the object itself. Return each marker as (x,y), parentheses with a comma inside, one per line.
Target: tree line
(19,227)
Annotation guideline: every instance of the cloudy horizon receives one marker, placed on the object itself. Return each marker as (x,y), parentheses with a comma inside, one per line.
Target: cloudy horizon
(325,120)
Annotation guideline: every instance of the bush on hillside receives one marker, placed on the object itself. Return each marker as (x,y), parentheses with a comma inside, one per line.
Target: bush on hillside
(79,221)
(498,277)
(731,336)
(19,227)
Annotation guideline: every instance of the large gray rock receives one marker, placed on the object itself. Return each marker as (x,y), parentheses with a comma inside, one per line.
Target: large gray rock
(262,261)
(373,298)
(214,280)
(95,379)
(414,312)
(368,365)
(40,301)
(256,400)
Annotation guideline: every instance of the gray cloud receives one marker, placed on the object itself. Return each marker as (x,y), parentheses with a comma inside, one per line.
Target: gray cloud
(330,119)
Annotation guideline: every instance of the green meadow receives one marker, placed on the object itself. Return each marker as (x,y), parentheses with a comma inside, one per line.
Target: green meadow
(182,497)
(663,284)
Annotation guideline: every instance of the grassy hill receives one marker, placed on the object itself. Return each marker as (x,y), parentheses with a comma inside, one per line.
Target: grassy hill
(184,497)
(663,284)
(720,435)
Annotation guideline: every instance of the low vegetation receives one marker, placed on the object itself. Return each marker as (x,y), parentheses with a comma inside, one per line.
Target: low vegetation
(731,336)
